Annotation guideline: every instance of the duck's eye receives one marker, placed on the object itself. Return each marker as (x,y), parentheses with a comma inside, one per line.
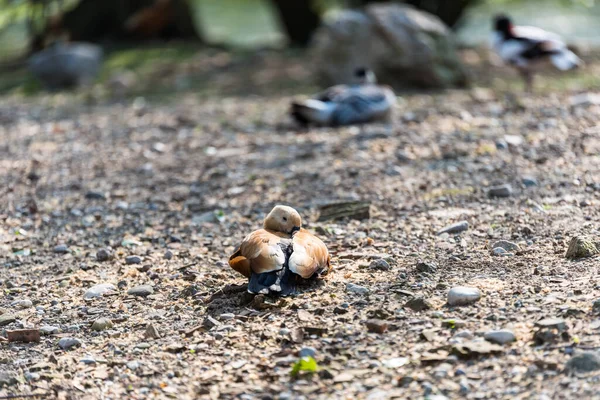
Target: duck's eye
(285,219)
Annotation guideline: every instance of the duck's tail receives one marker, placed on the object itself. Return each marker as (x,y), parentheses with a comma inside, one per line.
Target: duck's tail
(566,60)
(312,111)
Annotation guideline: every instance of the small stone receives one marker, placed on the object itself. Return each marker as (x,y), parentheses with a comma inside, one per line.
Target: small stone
(455,228)
(462,296)
(352,288)
(499,251)
(377,325)
(133,365)
(141,290)
(502,336)
(22,304)
(226,316)
(49,330)
(552,323)
(581,247)
(102,324)
(428,268)
(596,306)
(6,319)
(209,323)
(31,376)
(418,304)
(500,191)
(92,195)
(99,290)
(586,361)
(513,140)
(380,265)
(168,255)
(88,360)
(395,362)
(529,181)
(8,378)
(506,245)
(307,352)
(69,343)
(61,249)
(104,255)
(133,260)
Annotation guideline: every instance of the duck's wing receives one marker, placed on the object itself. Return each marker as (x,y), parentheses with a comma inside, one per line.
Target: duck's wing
(362,103)
(261,251)
(309,255)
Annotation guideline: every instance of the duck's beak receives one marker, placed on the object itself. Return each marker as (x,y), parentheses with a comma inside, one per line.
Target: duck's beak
(294,230)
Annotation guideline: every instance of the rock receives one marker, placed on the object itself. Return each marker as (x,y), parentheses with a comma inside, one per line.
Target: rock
(209,323)
(428,268)
(152,332)
(499,251)
(584,99)
(102,324)
(506,245)
(596,306)
(455,228)
(475,348)
(344,209)
(307,352)
(8,378)
(133,365)
(133,260)
(91,195)
(380,265)
(352,288)
(552,323)
(88,360)
(513,140)
(500,191)
(61,249)
(31,376)
(376,325)
(550,330)
(395,362)
(418,304)
(99,290)
(6,319)
(581,247)
(104,255)
(226,316)
(69,343)
(168,255)
(403,45)
(49,330)
(462,296)
(586,361)
(502,336)
(22,304)
(66,65)
(141,290)
(529,181)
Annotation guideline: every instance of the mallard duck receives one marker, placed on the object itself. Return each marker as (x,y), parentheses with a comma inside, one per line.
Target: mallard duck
(357,103)
(275,257)
(526,47)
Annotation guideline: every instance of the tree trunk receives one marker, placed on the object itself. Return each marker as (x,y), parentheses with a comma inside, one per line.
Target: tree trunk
(299,20)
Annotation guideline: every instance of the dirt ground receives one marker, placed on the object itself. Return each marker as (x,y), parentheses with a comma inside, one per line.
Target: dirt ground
(180,182)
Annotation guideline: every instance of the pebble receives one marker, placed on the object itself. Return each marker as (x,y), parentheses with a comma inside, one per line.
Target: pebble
(168,255)
(6,319)
(49,330)
(596,306)
(61,249)
(102,324)
(31,376)
(104,255)
(69,343)
(581,247)
(99,290)
(458,227)
(133,260)
(499,251)
(586,361)
(529,181)
(92,195)
(307,352)
(502,336)
(500,191)
(380,265)
(428,268)
(22,304)
(395,362)
(377,325)
(141,290)
(88,360)
(418,304)
(514,140)
(133,365)
(552,323)
(352,288)
(462,295)
(226,316)
(8,378)
(506,245)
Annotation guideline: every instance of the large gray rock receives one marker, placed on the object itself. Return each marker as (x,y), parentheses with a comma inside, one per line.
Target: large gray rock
(66,65)
(402,45)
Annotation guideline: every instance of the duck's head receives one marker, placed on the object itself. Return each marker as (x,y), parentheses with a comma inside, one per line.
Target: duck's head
(283,219)
(365,75)
(502,23)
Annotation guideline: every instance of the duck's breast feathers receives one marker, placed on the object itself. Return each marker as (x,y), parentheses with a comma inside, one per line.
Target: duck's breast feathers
(309,256)
(261,251)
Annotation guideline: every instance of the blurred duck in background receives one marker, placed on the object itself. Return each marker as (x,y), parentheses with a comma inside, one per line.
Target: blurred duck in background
(358,103)
(527,48)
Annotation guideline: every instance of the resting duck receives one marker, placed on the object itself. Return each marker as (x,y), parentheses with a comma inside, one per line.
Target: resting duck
(275,257)
(347,104)
(525,47)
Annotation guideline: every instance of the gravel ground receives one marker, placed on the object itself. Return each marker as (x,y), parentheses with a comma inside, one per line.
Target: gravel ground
(150,199)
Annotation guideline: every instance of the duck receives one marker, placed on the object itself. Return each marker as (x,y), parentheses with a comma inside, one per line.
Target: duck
(359,103)
(528,47)
(281,254)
